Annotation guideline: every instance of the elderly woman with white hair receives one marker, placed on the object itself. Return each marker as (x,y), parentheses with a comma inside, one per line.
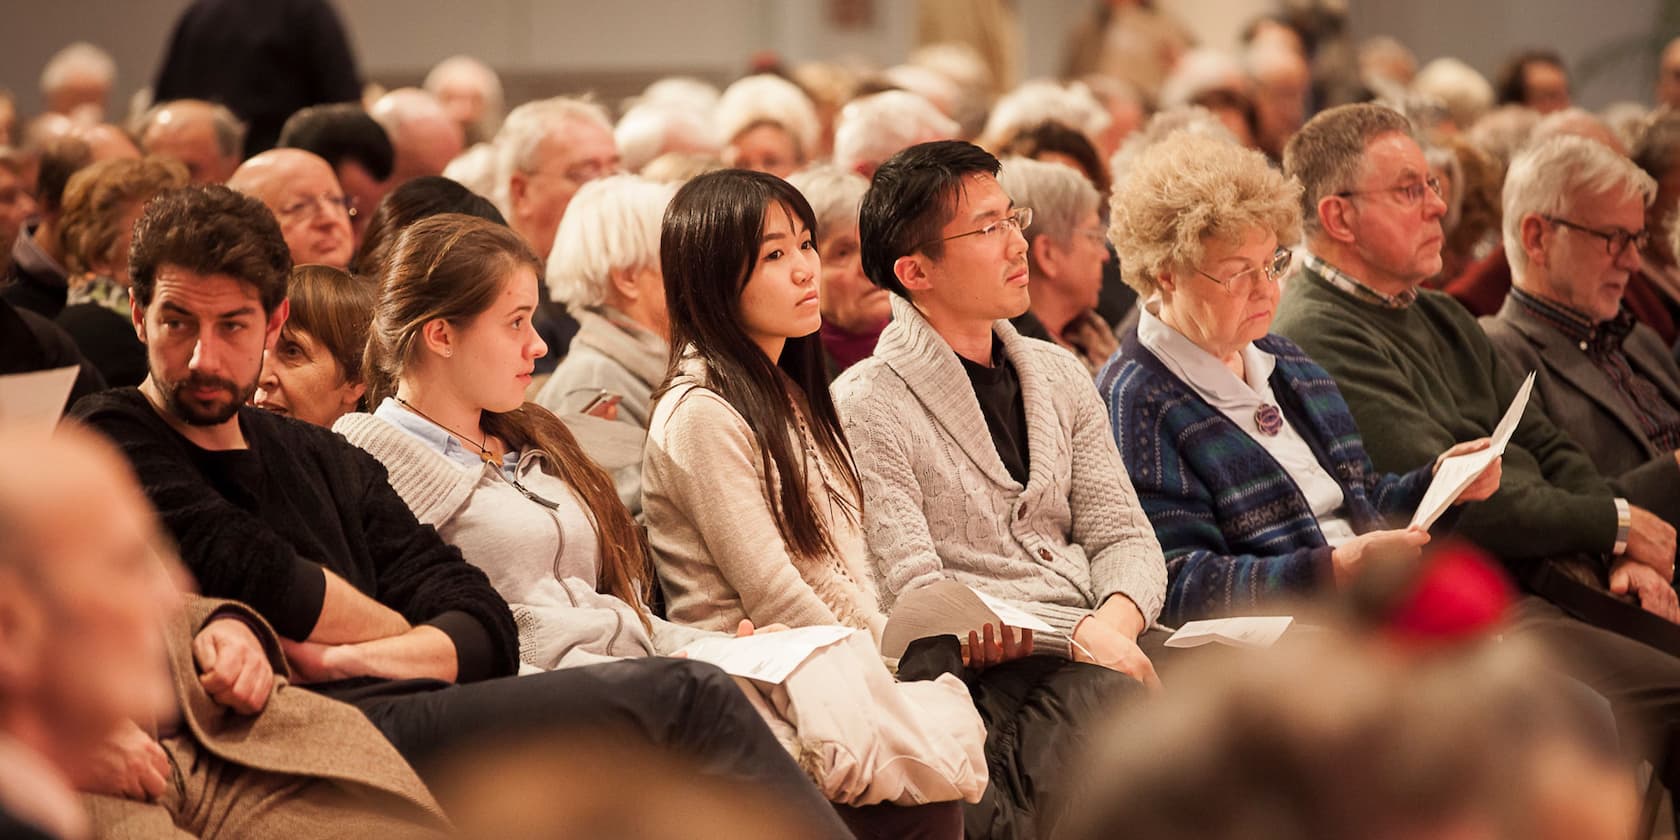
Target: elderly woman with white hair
(872,128)
(854,310)
(605,268)
(767,124)
(1243,452)
(1066,251)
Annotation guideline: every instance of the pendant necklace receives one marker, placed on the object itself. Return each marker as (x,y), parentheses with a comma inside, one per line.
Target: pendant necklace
(483,451)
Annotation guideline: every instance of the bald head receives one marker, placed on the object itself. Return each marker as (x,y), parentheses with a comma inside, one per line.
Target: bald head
(107,142)
(425,137)
(1576,122)
(85,590)
(301,190)
(204,136)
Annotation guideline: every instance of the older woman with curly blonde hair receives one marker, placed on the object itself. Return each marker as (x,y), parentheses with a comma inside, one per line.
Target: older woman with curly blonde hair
(1243,453)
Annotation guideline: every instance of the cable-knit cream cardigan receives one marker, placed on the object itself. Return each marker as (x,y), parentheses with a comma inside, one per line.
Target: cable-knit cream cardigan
(938,502)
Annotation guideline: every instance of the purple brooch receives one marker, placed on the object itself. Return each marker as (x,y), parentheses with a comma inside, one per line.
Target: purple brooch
(1268,419)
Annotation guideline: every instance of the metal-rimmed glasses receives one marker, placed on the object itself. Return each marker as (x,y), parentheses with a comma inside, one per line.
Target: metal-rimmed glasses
(1018,219)
(317,203)
(1242,282)
(1412,193)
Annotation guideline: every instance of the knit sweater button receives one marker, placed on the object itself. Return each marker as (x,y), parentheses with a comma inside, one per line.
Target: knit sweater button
(1044,554)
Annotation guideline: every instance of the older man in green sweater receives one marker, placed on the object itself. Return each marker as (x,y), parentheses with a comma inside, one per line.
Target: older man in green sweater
(1420,375)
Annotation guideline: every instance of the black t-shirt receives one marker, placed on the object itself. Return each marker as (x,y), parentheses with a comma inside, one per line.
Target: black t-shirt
(999,391)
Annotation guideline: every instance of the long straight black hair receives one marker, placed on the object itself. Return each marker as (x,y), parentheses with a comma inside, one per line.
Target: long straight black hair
(708,247)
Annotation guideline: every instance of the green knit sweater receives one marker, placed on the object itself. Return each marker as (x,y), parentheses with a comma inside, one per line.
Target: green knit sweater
(1422,378)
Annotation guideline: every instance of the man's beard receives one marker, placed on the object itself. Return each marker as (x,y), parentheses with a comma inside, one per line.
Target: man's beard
(194,413)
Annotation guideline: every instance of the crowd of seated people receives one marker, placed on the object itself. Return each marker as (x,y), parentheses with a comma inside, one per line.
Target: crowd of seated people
(426,440)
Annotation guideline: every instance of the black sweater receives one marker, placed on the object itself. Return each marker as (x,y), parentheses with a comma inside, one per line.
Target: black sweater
(257,525)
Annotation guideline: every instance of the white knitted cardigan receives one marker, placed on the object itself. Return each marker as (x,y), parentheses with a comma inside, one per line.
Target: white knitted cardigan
(939,503)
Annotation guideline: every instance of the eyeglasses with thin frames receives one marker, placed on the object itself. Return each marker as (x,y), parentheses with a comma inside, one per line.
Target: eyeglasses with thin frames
(325,202)
(1242,283)
(1616,240)
(1411,194)
(1018,220)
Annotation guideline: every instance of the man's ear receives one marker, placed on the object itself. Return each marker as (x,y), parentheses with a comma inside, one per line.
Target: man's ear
(1048,254)
(276,320)
(1333,218)
(138,313)
(1535,244)
(912,273)
(518,183)
(23,629)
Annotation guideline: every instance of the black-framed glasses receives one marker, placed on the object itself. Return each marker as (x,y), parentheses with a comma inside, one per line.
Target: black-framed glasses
(1242,282)
(1018,219)
(1412,194)
(1616,240)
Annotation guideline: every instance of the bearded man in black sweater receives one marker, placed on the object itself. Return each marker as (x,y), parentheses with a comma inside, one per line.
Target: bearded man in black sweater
(375,609)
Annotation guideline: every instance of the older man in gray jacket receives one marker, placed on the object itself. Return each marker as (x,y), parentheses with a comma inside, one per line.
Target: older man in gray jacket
(985,457)
(1574,225)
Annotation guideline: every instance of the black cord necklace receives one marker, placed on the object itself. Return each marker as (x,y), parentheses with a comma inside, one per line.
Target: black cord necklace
(483,450)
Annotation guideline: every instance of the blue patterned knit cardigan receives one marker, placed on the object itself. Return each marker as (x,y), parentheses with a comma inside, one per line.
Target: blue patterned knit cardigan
(1236,530)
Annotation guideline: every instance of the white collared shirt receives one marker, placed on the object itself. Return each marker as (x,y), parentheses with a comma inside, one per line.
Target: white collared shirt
(1238,399)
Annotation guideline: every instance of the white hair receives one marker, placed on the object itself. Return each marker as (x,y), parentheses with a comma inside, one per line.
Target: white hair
(1040,101)
(1193,119)
(1059,195)
(474,169)
(1627,119)
(872,128)
(523,131)
(835,196)
(685,91)
(1547,178)
(1500,133)
(646,130)
(926,82)
(767,99)
(612,224)
(957,61)
(1467,94)
(1200,71)
(481,76)
(80,59)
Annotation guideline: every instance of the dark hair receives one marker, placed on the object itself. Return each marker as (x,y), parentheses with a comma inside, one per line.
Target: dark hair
(1512,83)
(414,200)
(210,229)
(338,133)
(910,199)
(708,246)
(333,308)
(451,266)
(1052,137)
(60,159)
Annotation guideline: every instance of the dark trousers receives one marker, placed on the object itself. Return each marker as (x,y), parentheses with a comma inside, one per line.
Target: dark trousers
(1641,682)
(1039,712)
(692,709)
